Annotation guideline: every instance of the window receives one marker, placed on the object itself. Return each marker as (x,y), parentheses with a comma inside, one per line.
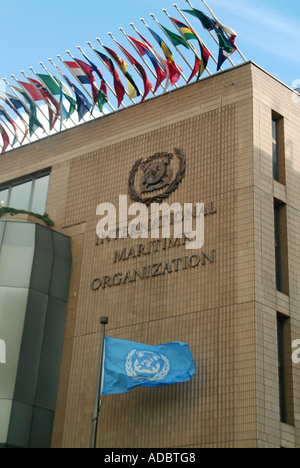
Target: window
(278,148)
(281,253)
(29,195)
(285,380)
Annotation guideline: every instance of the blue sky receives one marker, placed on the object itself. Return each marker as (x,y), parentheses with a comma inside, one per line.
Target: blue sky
(31,31)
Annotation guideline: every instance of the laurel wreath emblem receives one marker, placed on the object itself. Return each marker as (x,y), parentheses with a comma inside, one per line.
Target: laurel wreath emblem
(159,376)
(171,188)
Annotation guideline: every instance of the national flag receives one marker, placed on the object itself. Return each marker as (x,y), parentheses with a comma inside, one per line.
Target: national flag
(53,105)
(34,123)
(162,62)
(38,92)
(83,105)
(77,71)
(119,88)
(144,50)
(56,88)
(226,44)
(8,118)
(174,71)
(138,66)
(189,34)
(174,38)
(5,139)
(10,100)
(99,96)
(14,101)
(128,364)
(133,90)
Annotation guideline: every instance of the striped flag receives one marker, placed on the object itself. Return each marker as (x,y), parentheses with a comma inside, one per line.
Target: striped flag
(133,90)
(147,84)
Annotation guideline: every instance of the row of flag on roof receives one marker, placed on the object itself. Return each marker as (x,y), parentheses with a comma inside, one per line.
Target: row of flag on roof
(62,98)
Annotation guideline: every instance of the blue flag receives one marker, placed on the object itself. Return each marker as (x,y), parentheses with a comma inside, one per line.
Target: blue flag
(128,365)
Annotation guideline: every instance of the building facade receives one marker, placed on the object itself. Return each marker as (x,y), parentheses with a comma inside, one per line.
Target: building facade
(231,142)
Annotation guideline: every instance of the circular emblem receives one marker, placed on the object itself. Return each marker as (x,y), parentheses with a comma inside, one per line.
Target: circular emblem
(141,364)
(157,174)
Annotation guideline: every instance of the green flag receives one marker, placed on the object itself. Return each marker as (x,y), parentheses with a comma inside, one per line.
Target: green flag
(175,38)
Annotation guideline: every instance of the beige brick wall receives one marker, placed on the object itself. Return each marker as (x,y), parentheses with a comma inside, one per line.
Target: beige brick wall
(225,309)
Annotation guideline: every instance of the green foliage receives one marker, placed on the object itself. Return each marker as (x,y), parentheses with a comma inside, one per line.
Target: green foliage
(12,211)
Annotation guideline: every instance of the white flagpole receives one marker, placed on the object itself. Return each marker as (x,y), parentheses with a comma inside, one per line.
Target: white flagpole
(216,19)
(86,57)
(97,402)
(138,52)
(214,38)
(101,43)
(94,50)
(181,73)
(53,78)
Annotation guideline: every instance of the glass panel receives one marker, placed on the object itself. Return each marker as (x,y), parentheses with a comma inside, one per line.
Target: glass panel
(3,197)
(40,194)
(20,196)
(278,263)
(281,368)
(274,130)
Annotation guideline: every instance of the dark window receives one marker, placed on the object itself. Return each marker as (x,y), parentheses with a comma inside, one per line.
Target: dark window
(281,248)
(278,149)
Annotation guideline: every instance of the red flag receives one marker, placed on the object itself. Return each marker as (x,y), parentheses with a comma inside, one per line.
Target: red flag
(5,138)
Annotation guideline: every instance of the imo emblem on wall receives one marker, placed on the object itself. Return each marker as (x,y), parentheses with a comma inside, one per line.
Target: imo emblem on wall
(156,174)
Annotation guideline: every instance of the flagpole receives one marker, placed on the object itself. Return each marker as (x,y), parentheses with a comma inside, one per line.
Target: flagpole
(62,75)
(94,50)
(31,99)
(108,103)
(178,69)
(110,34)
(138,52)
(198,37)
(53,78)
(216,19)
(101,43)
(97,402)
